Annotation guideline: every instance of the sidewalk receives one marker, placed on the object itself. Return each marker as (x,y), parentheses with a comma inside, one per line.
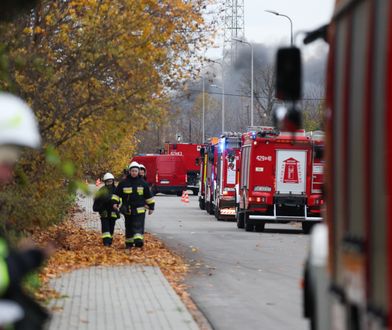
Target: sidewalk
(118,297)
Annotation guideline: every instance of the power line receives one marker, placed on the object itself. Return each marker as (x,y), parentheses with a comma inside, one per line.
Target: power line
(257,97)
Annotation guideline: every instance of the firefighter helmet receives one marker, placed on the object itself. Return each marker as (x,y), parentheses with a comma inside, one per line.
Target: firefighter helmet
(134,165)
(108,176)
(18,126)
(142,167)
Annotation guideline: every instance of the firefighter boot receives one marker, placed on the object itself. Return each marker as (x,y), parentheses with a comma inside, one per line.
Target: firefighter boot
(129,243)
(106,239)
(138,239)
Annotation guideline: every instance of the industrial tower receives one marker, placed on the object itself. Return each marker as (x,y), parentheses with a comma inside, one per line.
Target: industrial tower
(234,28)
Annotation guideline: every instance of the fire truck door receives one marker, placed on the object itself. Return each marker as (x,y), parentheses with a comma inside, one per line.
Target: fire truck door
(291,171)
(231,171)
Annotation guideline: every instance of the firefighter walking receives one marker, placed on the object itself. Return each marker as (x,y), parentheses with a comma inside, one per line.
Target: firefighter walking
(136,199)
(103,205)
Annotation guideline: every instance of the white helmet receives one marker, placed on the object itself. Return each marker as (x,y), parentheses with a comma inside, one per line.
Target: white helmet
(134,164)
(18,126)
(141,166)
(108,176)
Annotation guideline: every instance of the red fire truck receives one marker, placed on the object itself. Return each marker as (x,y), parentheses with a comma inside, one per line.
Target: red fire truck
(228,150)
(191,153)
(348,279)
(211,174)
(165,173)
(203,162)
(276,184)
(203,169)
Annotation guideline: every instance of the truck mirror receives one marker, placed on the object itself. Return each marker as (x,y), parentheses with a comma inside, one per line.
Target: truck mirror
(287,119)
(319,152)
(288,74)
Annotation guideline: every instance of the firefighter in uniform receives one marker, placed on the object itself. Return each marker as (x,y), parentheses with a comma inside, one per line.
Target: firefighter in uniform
(18,128)
(143,172)
(136,198)
(103,205)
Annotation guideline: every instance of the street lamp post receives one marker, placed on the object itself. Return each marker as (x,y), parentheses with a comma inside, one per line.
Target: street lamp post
(251,79)
(291,23)
(223,94)
(203,102)
(203,115)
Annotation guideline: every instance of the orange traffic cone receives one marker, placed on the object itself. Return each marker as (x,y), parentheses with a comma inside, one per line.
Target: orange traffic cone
(98,182)
(186,197)
(183,196)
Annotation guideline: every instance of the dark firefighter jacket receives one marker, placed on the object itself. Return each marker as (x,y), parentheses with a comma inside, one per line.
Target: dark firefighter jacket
(134,194)
(14,266)
(103,202)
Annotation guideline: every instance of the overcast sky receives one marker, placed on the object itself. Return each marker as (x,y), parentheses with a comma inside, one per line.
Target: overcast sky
(262,27)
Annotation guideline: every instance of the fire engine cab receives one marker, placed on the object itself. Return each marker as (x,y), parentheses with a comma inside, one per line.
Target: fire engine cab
(203,163)
(228,150)
(276,180)
(348,277)
(211,174)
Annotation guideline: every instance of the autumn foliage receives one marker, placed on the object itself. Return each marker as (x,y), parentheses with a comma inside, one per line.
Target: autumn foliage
(95,72)
(78,248)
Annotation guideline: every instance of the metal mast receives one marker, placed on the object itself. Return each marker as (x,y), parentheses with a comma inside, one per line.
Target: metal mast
(234,28)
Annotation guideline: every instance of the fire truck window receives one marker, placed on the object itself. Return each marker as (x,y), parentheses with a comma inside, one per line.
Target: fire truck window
(245,167)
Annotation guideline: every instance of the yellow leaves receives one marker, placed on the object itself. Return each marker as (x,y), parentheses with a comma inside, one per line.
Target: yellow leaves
(78,248)
(100,55)
(28,30)
(38,30)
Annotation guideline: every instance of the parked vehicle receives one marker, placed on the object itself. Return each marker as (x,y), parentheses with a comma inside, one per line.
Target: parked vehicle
(276,184)
(165,173)
(348,282)
(191,153)
(227,168)
(211,174)
(149,161)
(203,176)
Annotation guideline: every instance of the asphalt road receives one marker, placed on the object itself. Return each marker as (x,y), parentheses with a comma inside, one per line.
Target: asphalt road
(239,280)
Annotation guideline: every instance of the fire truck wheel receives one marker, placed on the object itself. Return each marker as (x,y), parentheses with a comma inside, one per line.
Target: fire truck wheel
(259,227)
(195,191)
(240,219)
(217,213)
(211,209)
(307,227)
(249,224)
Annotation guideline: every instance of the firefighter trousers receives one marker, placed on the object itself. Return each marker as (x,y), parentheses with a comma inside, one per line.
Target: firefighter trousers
(134,229)
(107,227)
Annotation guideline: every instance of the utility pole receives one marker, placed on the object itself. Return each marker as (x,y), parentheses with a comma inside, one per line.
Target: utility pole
(234,28)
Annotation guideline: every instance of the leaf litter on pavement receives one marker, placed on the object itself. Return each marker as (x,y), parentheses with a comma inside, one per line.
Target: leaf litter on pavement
(77,247)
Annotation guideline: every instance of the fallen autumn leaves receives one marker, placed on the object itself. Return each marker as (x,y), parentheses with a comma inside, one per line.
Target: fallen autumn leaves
(78,247)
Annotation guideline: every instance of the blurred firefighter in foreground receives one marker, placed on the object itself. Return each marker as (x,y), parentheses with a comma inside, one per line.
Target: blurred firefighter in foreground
(18,129)
(103,205)
(136,198)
